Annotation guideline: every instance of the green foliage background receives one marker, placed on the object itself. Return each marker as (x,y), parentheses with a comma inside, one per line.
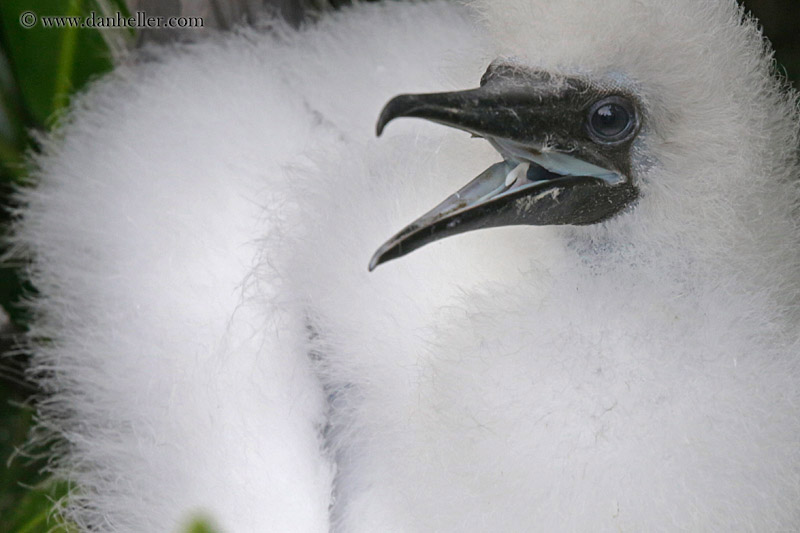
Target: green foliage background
(39,69)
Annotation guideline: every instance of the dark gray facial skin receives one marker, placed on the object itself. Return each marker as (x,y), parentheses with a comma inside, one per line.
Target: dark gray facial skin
(565,144)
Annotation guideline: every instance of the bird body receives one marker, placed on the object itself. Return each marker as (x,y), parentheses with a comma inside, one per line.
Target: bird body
(211,340)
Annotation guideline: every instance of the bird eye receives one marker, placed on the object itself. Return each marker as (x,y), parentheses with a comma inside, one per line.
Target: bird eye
(612,120)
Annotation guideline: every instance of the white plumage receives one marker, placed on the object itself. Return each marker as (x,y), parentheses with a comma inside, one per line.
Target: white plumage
(212,341)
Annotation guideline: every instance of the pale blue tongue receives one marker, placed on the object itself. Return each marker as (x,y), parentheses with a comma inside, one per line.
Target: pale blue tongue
(566,165)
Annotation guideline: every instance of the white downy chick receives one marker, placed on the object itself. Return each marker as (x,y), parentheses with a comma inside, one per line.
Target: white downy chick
(211,339)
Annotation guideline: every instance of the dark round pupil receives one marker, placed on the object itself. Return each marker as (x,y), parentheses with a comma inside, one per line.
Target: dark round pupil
(610,120)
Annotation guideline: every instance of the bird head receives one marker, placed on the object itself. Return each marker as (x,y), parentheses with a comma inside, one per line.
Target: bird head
(565,145)
(653,117)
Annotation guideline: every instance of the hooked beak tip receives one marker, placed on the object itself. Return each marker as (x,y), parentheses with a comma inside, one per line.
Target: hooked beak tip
(403,105)
(388,113)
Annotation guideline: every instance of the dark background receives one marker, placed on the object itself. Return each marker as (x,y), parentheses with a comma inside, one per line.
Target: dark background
(39,69)
(781,22)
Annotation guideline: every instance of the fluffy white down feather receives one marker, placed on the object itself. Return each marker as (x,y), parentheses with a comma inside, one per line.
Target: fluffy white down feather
(211,340)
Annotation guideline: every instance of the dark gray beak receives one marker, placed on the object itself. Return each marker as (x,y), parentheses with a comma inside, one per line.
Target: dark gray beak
(533,185)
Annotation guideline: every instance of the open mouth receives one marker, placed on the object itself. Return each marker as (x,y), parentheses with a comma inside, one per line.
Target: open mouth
(565,148)
(524,168)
